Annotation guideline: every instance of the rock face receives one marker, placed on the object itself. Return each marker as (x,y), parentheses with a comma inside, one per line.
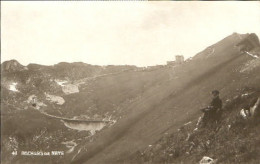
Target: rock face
(248,43)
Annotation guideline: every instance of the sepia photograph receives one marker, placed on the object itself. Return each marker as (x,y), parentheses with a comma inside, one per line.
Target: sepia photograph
(130,82)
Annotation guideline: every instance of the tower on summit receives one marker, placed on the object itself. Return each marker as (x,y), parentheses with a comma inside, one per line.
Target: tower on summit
(179,59)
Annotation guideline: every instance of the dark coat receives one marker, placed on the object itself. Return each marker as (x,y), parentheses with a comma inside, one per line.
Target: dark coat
(214,111)
(216,104)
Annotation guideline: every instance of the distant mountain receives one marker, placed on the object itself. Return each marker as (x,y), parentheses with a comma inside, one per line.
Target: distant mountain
(74,71)
(12,66)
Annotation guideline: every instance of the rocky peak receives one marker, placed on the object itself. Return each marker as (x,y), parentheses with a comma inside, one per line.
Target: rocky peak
(12,66)
(249,43)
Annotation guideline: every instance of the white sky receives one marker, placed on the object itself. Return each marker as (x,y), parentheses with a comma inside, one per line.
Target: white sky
(134,33)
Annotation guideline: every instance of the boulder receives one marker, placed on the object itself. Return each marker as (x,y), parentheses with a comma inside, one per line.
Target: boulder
(206,160)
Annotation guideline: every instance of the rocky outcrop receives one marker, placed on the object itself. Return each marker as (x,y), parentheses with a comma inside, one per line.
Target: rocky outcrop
(249,43)
(251,65)
(34,102)
(12,66)
(206,160)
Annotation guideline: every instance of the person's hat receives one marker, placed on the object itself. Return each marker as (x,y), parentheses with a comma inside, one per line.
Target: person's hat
(215,92)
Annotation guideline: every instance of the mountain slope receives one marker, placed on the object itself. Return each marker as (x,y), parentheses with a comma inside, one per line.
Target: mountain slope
(143,104)
(173,103)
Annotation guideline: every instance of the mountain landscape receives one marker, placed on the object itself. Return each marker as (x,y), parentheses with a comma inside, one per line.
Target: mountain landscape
(129,114)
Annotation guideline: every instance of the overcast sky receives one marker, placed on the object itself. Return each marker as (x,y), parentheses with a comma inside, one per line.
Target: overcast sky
(134,33)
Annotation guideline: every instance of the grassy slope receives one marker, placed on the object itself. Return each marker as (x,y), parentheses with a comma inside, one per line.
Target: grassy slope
(109,94)
(24,125)
(236,140)
(170,105)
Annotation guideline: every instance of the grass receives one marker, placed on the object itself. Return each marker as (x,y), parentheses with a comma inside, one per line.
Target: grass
(236,140)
